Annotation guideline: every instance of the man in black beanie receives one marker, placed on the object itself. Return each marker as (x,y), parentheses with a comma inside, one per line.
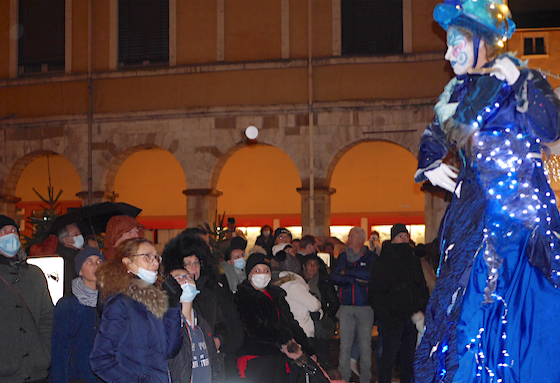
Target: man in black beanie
(397,292)
(27,312)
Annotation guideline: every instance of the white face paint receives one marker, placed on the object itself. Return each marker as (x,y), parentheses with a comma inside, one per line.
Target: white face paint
(460,51)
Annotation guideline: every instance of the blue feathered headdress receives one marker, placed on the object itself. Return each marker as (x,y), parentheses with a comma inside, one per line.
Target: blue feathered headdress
(488,19)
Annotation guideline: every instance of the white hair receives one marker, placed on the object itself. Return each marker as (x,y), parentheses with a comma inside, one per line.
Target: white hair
(360,231)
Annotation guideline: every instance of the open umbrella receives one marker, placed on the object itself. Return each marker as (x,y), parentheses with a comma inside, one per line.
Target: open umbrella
(93,219)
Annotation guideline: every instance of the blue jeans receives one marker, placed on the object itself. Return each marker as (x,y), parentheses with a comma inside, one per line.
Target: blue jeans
(355,320)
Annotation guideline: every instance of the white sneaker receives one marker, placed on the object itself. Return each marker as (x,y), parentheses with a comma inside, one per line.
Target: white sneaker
(354,366)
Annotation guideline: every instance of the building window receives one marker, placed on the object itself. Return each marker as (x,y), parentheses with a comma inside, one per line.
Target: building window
(535,14)
(372,27)
(534,46)
(41,42)
(143,32)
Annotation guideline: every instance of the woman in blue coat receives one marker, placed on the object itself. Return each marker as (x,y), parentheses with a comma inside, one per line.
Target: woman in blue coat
(492,314)
(141,325)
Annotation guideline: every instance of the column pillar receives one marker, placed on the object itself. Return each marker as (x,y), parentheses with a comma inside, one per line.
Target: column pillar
(322,201)
(436,201)
(98,197)
(202,206)
(8,205)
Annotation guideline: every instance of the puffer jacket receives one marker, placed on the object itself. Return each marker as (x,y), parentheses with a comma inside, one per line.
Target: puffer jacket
(300,300)
(350,291)
(138,332)
(25,337)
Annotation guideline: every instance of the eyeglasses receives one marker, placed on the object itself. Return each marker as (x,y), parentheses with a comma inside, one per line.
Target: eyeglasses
(191,264)
(150,258)
(183,277)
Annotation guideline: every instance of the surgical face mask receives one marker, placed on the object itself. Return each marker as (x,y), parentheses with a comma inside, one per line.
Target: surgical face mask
(189,292)
(260,280)
(147,275)
(78,241)
(266,233)
(9,244)
(239,263)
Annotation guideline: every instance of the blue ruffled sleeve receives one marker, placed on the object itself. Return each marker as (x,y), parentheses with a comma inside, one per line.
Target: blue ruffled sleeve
(431,151)
(538,105)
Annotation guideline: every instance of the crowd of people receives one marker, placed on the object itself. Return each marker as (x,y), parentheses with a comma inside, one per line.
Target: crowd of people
(265,314)
(199,314)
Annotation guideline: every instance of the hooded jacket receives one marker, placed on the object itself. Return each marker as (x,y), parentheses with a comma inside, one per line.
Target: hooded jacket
(25,337)
(300,300)
(350,291)
(117,226)
(138,332)
(267,323)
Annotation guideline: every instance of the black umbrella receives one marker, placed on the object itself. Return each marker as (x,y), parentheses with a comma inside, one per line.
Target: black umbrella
(93,219)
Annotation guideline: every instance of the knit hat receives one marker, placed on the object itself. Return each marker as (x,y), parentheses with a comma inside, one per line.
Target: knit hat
(256,259)
(397,229)
(281,246)
(4,221)
(238,243)
(84,254)
(281,230)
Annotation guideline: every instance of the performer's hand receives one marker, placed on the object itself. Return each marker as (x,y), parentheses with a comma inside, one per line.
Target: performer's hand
(506,70)
(442,176)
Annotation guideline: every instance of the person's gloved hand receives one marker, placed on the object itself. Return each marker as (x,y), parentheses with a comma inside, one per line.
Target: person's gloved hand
(442,176)
(506,71)
(173,290)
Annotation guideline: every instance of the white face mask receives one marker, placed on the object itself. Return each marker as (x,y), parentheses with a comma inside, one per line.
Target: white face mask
(260,281)
(78,241)
(239,263)
(147,275)
(189,292)
(9,244)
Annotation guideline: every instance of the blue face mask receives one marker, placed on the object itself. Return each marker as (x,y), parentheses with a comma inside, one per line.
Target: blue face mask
(147,275)
(9,244)
(189,292)
(239,263)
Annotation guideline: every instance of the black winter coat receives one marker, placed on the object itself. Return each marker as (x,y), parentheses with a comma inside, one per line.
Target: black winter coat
(267,324)
(397,285)
(329,298)
(180,366)
(206,305)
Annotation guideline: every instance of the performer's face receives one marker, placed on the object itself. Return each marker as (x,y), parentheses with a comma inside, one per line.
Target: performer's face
(460,51)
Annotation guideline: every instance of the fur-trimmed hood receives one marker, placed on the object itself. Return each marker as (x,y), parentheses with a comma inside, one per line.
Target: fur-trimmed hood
(113,278)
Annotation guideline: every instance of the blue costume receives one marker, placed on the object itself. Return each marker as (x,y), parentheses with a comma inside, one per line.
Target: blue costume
(492,317)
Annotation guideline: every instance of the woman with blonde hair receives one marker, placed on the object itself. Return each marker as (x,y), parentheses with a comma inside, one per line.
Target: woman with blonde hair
(141,326)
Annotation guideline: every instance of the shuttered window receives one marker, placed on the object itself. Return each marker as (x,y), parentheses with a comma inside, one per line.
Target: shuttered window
(143,32)
(372,27)
(41,31)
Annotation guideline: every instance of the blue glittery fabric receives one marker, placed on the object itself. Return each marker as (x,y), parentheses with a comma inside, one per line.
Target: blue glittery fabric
(493,315)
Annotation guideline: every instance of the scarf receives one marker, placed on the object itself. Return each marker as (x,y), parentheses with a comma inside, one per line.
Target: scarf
(351,257)
(313,286)
(233,276)
(86,296)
